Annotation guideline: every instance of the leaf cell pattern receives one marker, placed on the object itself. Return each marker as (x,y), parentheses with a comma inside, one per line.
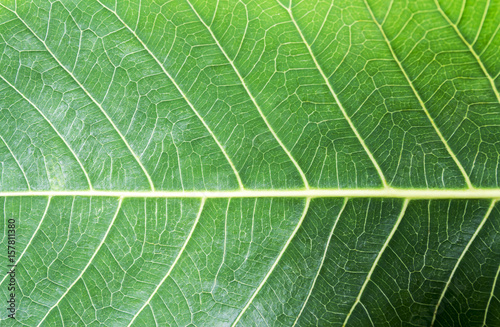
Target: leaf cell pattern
(148,150)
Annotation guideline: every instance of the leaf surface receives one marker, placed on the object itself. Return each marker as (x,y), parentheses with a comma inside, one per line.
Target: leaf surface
(241,163)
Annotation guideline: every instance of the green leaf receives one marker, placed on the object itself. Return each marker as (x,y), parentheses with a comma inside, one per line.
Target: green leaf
(250,163)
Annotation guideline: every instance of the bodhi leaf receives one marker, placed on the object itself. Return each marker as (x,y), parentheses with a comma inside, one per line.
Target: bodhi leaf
(250,163)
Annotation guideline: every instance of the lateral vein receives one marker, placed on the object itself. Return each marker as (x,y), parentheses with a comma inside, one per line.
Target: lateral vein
(275,263)
(243,83)
(337,100)
(91,98)
(111,224)
(471,49)
(322,262)
(17,162)
(379,255)
(32,236)
(492,294)
(181,251)
(462,255)
(421,102)
(53,127)
(184,96)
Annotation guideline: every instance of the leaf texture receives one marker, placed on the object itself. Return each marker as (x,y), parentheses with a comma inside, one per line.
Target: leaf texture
(251,163)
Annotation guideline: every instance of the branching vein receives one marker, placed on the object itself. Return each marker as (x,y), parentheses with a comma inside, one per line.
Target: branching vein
(184,96)
(181,251)
(53,128)
(337,100)
(104,237)
(90,97)
(422,104)
(276,261)
(471,48)
(462,255)
(375,263)
(273,132)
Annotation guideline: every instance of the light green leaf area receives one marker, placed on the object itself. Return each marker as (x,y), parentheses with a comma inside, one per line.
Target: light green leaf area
(250,163)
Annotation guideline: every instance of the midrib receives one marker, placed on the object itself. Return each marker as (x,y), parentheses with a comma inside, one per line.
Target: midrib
(309,193)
